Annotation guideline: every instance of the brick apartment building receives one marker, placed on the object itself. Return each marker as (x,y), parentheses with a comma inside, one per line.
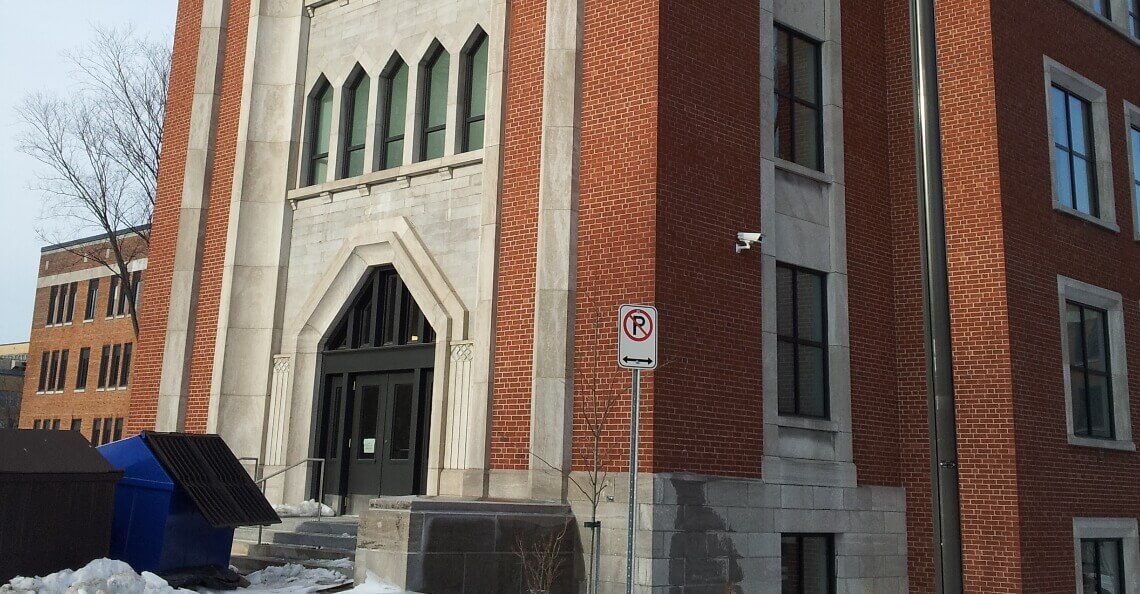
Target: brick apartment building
(13,360)
(394,236)
(80,354)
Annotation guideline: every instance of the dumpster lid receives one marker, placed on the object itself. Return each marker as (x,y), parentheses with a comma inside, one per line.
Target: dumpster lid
(207,469)
(31,451)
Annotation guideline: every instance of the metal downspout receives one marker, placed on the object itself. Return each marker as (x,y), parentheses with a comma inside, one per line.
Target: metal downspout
(936,302)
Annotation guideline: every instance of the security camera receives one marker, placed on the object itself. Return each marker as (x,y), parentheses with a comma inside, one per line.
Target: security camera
(745,241)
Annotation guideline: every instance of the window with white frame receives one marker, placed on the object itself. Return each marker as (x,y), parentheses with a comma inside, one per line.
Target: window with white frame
(1079,146)
(1106,555)
(1132,120)
(1095,366)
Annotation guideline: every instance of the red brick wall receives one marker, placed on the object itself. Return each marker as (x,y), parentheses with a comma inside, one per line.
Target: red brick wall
(217,219)
(518,235)
(1059,481)
(707,411)
(164,229)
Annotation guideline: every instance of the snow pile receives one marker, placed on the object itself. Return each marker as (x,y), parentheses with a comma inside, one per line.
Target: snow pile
(101,576)
(375,585)
(291,579)
(307,509)
(333,563)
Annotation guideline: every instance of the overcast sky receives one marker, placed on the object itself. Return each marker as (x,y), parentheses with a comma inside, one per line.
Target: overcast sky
(32,45)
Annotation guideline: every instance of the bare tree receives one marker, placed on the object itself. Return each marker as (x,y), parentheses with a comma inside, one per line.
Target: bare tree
(99,147)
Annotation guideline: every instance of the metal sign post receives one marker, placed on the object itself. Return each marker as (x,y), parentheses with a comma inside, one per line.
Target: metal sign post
(637,351)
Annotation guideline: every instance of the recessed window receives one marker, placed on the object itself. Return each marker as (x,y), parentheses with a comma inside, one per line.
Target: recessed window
(1102,565)
(118,433)
(96,427)
(393,114)
(1134,18)
(113,293)
(1134,143)
(434,108)
(104,360)
(320,131)
(801,342)
(799,99)
(807,564)
(45,363)
(106,437)
(1090,371)
(475,94)
(1103,8)
(355,125)
(82,368)
(77,424)
(1074,152)
(53,296)
(125,369)
(92,299)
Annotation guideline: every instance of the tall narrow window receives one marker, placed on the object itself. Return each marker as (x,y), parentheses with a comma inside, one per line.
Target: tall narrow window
(799,99)
(53,296)
(54,424)
(69,314)
(61,305)
(104,359)
(106,438)
(1134,17)
(118,429)
(1073,151)
(77,424)
(355,125)
(53,371)
(1134,137)
(92,299)
(96,426)
(81,368)
(801,354)
(434,107)
(61,379)
(1090,373)
(136,289)
(121,305)
(394,114)
(113,367)
(475,94)
(1102,565)
(807,564)
(112,295)
(125,370)
(36,424)
(320,130)
(45,362)
(1103,8)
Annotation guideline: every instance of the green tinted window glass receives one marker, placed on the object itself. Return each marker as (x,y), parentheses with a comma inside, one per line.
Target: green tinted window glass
(394,154)
(475,135)
(321,122)
(395,112)
(356,127)
(476,100)
(437,95)
(433,144)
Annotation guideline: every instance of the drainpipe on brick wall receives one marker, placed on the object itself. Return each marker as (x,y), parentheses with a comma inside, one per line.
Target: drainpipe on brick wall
(936,302)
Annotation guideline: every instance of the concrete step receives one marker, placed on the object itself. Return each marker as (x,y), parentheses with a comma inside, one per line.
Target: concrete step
(314,540)
(297,540)
(247,564)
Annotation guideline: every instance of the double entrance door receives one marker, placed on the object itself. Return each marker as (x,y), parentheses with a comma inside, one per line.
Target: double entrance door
(375,447)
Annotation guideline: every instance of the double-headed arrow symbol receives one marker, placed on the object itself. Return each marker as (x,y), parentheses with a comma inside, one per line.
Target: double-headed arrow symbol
(628,360)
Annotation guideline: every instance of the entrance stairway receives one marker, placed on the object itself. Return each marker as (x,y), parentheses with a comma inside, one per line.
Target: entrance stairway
(329,543)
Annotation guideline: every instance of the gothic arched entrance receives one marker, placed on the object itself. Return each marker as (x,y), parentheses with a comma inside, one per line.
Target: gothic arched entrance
(376,371)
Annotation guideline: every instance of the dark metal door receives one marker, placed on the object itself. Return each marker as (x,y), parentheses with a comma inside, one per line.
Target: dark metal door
(363,454)
(397,465)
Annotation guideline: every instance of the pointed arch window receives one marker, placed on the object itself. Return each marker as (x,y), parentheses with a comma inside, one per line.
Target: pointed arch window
(355,124)
(320,129)
(475,93)
(434,108)
(383,314)
(393,114)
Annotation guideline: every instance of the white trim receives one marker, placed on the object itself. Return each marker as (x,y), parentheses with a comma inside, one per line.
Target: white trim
(1073,290)
(1132,119)
(100,272)
(1057,73)
(1122,528)
(1118,22)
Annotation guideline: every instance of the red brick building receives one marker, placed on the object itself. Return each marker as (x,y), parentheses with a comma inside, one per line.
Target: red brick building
(82,344)
(405,257)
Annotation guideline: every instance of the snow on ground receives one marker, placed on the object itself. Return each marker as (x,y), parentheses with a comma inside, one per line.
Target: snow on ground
(307,509)
(104,576)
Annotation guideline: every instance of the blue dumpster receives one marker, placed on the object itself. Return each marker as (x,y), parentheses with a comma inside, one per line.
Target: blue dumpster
(179,500)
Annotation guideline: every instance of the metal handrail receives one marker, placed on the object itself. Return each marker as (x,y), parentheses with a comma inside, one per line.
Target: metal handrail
(263,480)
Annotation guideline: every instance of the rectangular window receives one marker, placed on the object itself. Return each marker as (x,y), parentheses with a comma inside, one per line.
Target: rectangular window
(799,99)
(36,424)
(61,305)
(77,424)
(103,360)
(113,368)
(69,315)
(475,95)
(1103,8)
(61,380)
(1134,18)
(1073,151)
(44,364)
(121,306)
(136,289)
(118,430)
(53,296)
(1090,373)
(801,354)
(55,425)
(1102,565)
(125,372)
(112,296)
(807,564)
(96,428)
(1134,138)
(106,431)
(81,368)
(92,299)
(53,370)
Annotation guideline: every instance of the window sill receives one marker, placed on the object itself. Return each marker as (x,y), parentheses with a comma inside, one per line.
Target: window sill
(1102,444)
(809,423)
(1072,212)
(375,178)
(800,170)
